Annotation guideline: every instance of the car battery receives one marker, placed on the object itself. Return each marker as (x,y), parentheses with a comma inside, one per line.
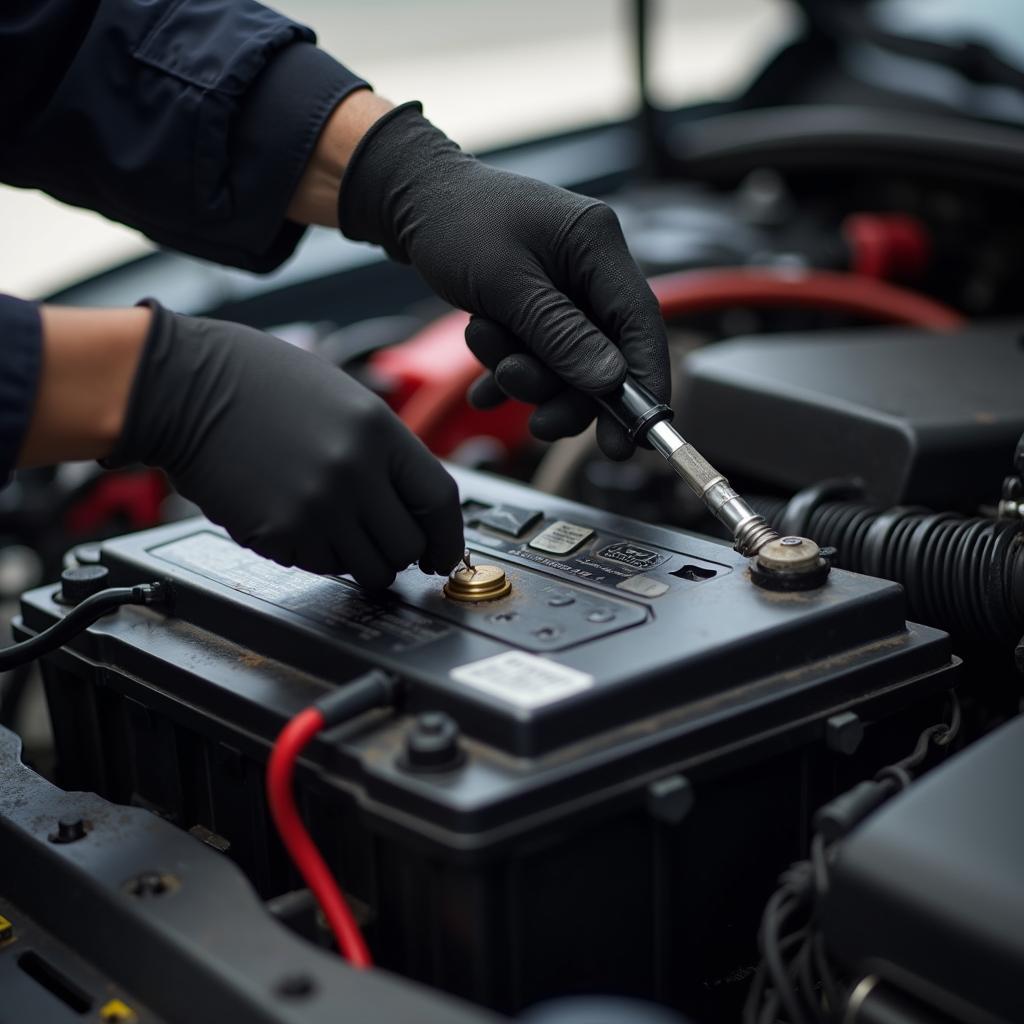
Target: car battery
(607,746)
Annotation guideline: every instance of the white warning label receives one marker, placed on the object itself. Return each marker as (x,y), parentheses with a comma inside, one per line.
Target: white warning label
(526,680)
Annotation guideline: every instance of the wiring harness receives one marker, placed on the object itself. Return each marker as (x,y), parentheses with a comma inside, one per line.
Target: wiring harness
(795,982)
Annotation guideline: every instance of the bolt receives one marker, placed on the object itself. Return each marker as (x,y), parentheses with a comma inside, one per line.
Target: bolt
(790,563)
(151,883)
(296,986)
(432,723)
(844,732)
(432,744)
(69,830)
(670,800)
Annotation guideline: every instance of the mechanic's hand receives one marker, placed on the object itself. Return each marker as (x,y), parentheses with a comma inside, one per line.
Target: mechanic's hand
(561,310)
(294,458)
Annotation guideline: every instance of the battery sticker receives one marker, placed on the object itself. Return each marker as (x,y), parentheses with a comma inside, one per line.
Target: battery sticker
(384,625)
(526,680)
(633,556)
(561,537)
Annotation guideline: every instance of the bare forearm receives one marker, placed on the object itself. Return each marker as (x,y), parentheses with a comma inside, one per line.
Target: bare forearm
(316,198)
(89,361)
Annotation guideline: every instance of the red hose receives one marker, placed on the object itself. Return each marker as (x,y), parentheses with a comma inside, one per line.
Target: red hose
(700,291)
(280,771)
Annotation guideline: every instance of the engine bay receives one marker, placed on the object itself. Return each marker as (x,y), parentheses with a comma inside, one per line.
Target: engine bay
(604,760)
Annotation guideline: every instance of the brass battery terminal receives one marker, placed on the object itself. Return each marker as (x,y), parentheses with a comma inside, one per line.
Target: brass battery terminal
(475,583)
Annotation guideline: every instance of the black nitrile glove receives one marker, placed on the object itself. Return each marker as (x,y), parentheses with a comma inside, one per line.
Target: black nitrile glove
(294,458)
(561,310)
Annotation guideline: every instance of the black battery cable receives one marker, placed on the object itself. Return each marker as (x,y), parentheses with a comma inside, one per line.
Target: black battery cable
(80,618)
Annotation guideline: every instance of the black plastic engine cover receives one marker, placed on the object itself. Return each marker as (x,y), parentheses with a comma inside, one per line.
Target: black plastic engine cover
(193,944)
(928,894)
(922,417)
(643,729)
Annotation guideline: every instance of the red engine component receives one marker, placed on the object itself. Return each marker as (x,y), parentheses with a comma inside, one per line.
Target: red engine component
(894,246)
(132,498)
(426,379)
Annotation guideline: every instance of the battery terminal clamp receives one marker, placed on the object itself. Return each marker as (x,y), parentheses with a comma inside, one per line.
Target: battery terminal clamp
(791,563)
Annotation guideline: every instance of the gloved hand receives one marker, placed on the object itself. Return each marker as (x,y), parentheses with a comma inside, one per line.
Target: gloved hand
(294,458)
(561,310)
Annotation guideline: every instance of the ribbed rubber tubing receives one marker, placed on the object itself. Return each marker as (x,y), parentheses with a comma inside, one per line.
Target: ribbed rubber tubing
(962,574)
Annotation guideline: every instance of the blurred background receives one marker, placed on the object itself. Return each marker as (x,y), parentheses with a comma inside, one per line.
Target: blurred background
(488,72)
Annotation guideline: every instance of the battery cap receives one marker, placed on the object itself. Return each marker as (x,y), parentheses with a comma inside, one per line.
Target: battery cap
(81,582)
(432,743)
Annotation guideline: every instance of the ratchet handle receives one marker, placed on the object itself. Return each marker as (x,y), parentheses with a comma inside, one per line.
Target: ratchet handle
(636,409)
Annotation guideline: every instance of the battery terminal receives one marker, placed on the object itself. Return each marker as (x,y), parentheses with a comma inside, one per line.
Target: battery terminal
(475,583)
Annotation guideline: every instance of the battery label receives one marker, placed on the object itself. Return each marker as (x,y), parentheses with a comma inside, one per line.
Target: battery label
(526,680)
(382,624)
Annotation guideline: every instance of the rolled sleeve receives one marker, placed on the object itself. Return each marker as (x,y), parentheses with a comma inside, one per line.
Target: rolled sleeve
(191,120)
(277,129)
(20,362)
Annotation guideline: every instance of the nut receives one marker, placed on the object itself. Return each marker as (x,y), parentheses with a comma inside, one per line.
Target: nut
(789,554)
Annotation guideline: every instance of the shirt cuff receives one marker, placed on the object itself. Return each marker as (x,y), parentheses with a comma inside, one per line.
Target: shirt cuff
(21,343)
(279,125)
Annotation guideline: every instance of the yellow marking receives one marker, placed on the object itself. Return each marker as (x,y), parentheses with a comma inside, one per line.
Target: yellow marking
(117,1012)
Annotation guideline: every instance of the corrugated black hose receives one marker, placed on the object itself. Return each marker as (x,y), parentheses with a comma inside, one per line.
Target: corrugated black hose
(960,573)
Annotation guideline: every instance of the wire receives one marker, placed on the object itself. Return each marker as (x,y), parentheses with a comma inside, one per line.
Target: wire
(280,772)
(829,988)
(374,689)
(794,978)
(819,865)
(781,908)
(769,1014)
(941,735)
(79,619)
(803,970)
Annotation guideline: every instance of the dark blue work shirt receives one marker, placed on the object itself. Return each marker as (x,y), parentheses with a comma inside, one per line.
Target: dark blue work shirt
(191,120)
